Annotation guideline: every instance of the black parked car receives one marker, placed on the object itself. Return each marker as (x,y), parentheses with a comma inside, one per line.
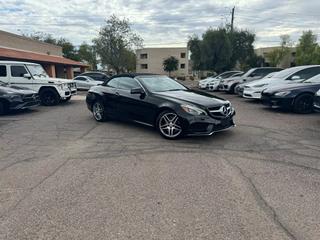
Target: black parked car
(298,97)
(14,98)
(161,102)
(97,76)
(316,103)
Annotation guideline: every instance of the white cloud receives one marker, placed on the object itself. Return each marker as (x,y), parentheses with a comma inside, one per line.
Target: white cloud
(160,22)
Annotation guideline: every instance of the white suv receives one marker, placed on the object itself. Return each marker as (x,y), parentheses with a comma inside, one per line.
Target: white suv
(33,76)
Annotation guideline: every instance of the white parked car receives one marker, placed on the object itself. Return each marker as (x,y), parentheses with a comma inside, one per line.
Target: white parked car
(291,75)
(204,84)
(214,84)
(229,85)
(85,83)
(31,75)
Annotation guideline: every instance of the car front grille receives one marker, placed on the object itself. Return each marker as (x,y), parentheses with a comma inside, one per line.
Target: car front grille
(220,112)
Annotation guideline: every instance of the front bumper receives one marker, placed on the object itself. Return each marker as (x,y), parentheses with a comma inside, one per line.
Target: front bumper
(26,103)
(206,125)
(203,85)
(277,102)
(213,86)
(66,93)
(251,94)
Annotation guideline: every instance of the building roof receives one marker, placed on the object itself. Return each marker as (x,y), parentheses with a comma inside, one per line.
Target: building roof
(37,57)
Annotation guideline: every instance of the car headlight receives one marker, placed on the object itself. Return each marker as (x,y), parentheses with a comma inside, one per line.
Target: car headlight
(63,85)
(260,86)
(282,94)
(318,94)
(193,110)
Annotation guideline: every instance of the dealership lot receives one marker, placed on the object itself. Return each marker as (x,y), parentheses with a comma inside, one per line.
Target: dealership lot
(65,176)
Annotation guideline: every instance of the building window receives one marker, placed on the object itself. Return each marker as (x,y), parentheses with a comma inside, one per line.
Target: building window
(183,55)
(143,56)
(182,66)
(3,71)
(144,66)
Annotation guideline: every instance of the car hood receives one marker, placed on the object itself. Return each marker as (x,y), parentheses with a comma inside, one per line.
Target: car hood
(207,80)
(194,97)
(292,86)
(54,80)
(15,90)
(265,81)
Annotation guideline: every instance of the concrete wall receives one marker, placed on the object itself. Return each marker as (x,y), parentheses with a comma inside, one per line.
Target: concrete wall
(155,57)
(10,40)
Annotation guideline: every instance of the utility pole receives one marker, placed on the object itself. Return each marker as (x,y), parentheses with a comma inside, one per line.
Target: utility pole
(232,18)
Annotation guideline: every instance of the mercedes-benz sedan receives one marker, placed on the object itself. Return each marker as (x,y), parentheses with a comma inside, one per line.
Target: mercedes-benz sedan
(160,102)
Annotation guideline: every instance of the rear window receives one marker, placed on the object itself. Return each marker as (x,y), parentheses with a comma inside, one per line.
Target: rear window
(3,71)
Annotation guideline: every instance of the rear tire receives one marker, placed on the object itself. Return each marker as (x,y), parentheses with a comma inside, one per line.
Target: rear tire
(98,111)
(169,125)
(49,97)
(303,104)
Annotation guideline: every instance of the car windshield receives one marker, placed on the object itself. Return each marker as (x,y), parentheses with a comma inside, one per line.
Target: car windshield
(315,79)
(37,71)
(160,84)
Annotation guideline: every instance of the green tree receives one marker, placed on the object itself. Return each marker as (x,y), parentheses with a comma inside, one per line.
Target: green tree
(216,50)
(194,45)
(280,54)
(114,42)
(242,47)
(308,49)
(170,64)
(87,53)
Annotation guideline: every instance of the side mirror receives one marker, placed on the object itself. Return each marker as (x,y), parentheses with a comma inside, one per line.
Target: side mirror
(27,75)
(137,91)
(296,78)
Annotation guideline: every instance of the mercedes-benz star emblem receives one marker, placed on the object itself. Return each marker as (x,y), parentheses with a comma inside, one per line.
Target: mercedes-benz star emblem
(224,110)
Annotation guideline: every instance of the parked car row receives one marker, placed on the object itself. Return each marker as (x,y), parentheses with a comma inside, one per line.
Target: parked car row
(295,89)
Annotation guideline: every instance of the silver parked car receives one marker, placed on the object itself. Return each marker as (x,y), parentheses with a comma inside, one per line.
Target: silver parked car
(85,83)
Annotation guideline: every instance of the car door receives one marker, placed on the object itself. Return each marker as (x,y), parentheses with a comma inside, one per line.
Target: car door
(17,78)
(111,97)
(81,82)
(132,106)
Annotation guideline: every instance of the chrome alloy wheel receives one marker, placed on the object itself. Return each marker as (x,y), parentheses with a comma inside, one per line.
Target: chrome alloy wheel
(98,111)
(169,125)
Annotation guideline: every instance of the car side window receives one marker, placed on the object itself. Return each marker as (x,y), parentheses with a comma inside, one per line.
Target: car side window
(113,83)
(18,71)
(3,70)
(127,83)
(305,73)
(80,79)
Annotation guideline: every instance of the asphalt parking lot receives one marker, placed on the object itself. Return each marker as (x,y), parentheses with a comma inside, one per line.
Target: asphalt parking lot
(65,176)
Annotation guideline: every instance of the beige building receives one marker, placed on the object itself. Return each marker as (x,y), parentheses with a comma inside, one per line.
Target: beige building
(288,61)
(18,48)
(150,60)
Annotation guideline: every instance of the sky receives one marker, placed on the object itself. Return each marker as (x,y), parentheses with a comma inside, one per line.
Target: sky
(162,23)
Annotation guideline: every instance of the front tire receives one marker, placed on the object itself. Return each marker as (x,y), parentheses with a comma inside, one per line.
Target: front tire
(169,125)
(49,97)
(303,104)
(98,111)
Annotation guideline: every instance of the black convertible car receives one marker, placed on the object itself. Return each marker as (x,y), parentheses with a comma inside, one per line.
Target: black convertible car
(15,98)
(298,97)
(161,102)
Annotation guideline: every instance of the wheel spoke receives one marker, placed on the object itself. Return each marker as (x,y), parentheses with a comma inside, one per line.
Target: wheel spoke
(169,125)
